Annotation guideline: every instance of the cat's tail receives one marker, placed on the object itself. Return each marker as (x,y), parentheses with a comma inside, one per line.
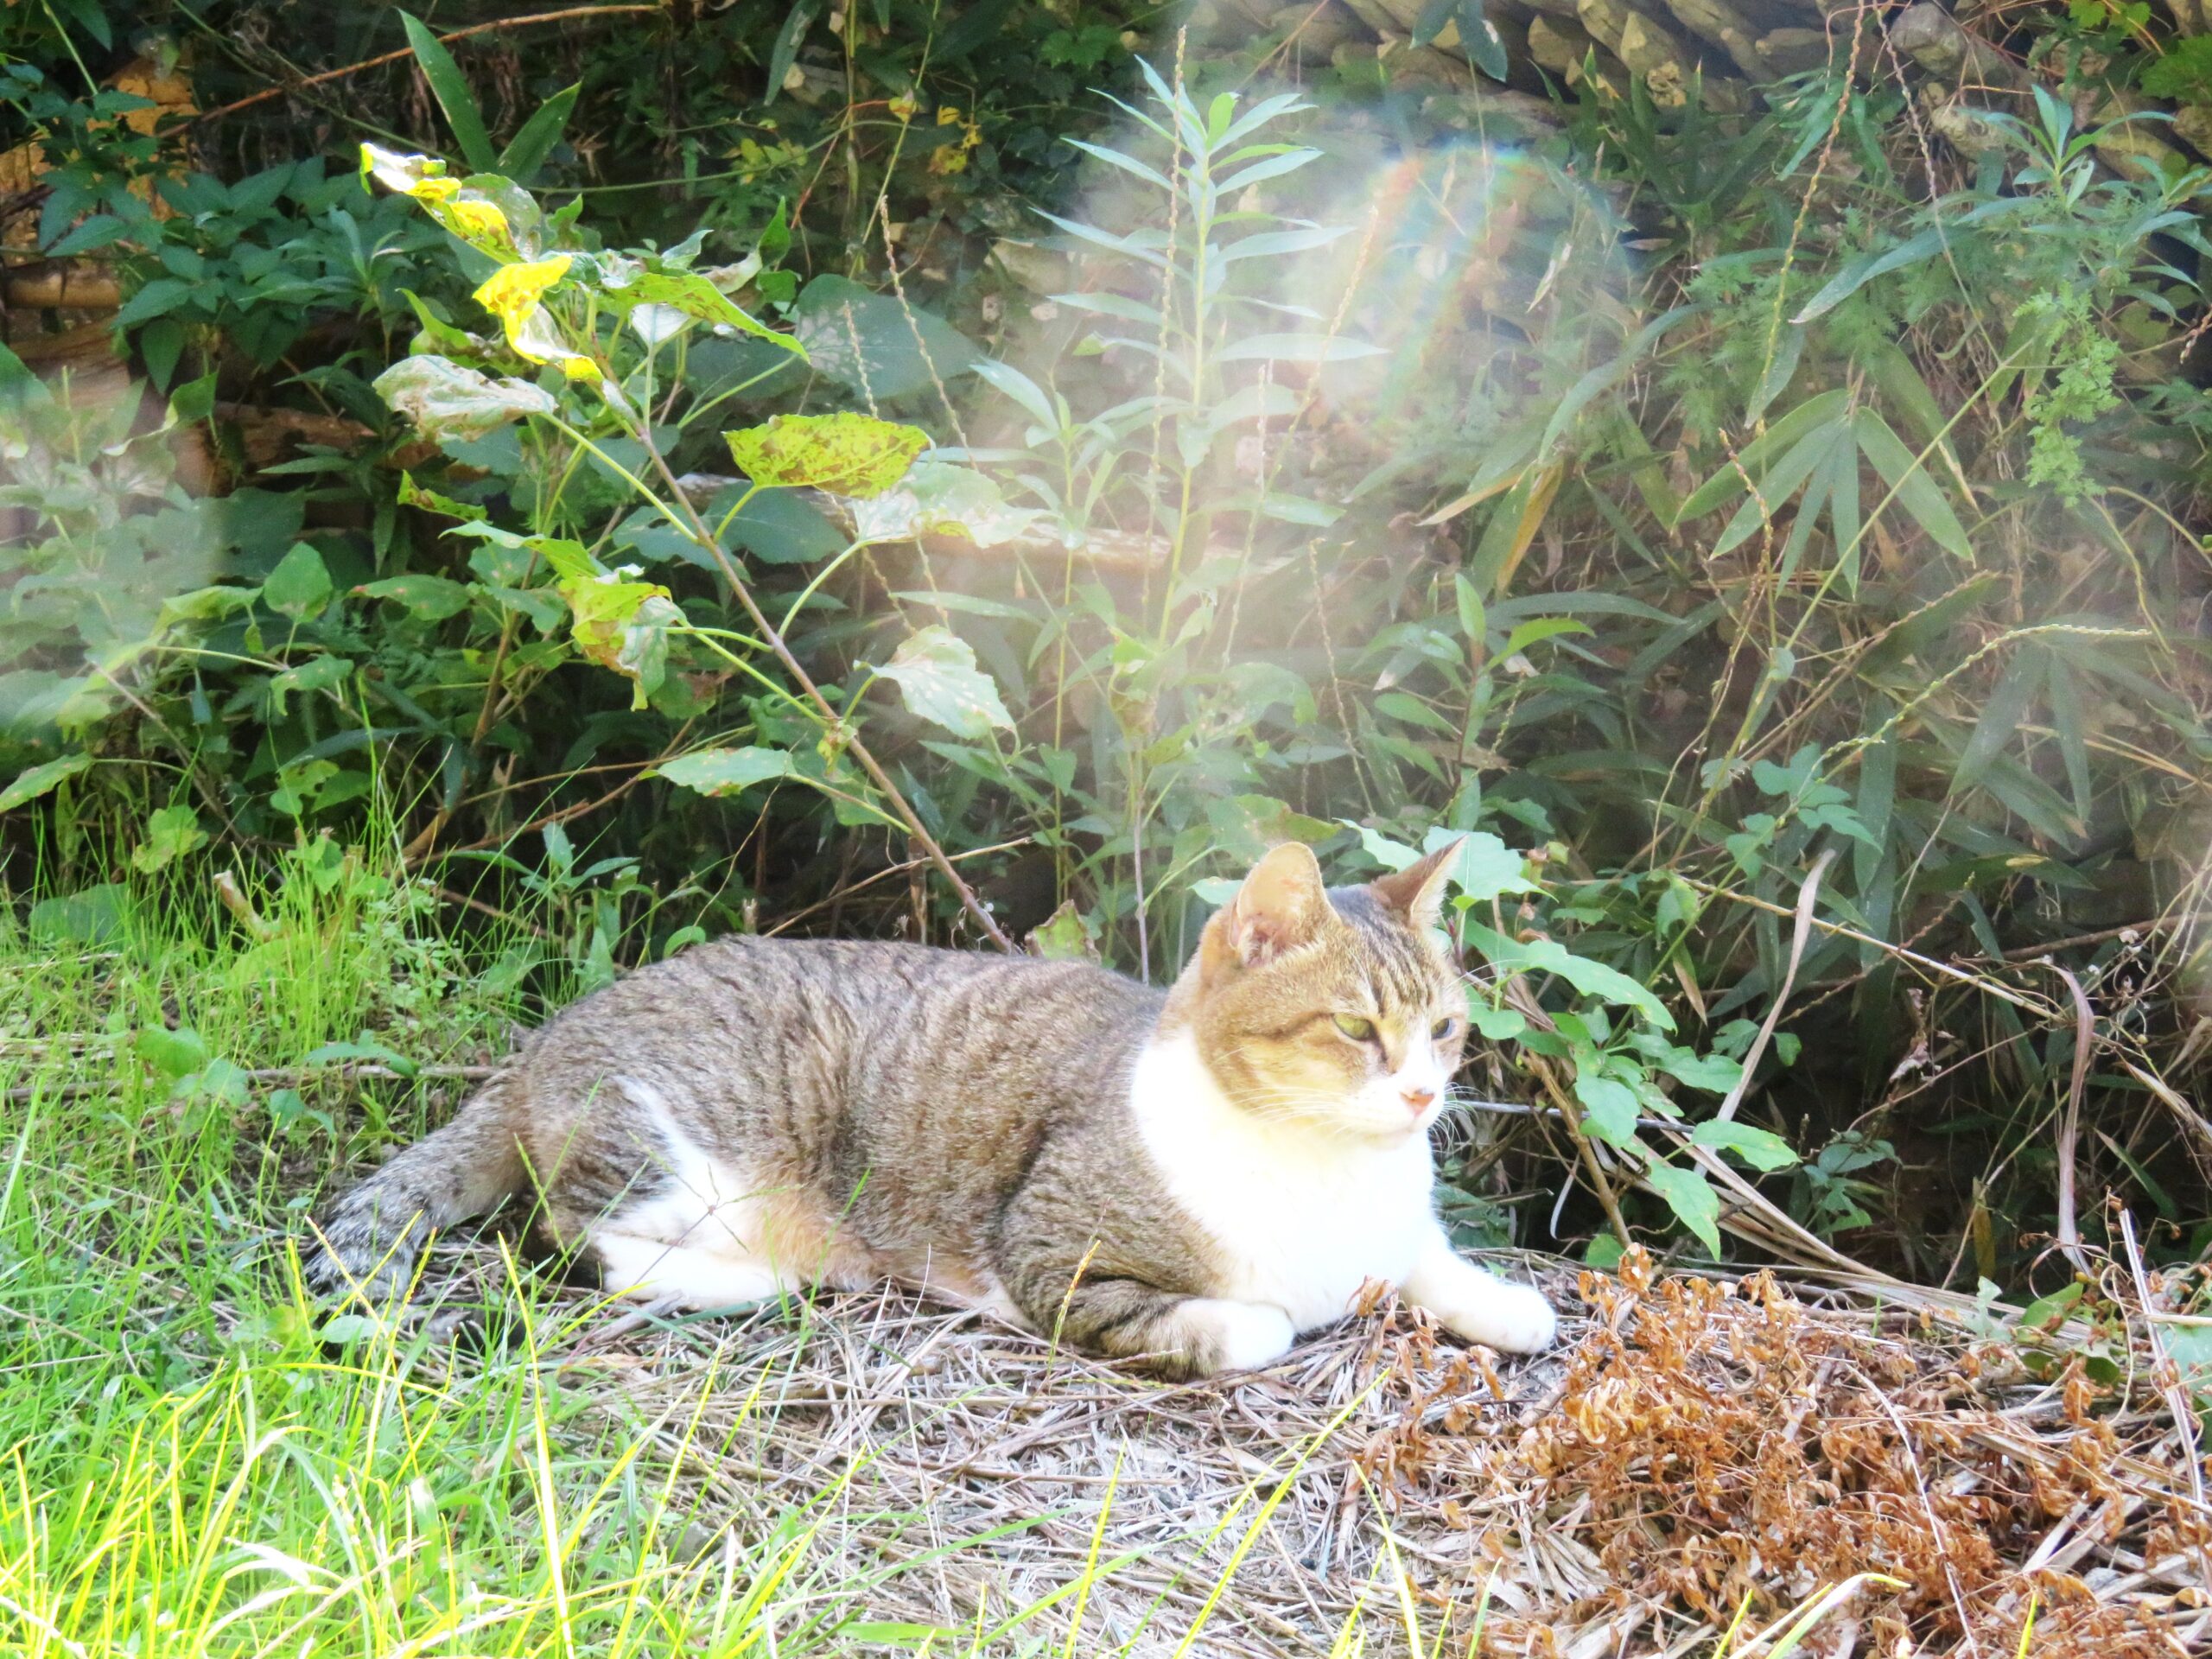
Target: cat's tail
(368,1240)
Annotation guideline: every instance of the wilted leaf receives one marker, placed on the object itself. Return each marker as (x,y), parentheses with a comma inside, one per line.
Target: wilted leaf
(34,781)
(623,625)
(691,294)
(936,498)
(1063,936)
(725,771)
(412,494)
(936,675)
(447,401)
(846,454)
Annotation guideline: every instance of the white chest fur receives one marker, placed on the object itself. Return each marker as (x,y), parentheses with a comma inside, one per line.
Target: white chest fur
(1300,1218)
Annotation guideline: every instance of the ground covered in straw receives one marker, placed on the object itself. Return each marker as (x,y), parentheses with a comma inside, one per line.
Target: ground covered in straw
(1699,1454)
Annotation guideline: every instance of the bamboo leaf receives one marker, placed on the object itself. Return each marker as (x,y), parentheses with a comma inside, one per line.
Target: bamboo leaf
(527,150)
(1915,491)
(450,87)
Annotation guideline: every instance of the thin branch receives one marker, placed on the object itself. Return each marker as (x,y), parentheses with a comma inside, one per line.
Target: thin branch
(696,528)
(379,61)
(2070,1126)
(1806,894)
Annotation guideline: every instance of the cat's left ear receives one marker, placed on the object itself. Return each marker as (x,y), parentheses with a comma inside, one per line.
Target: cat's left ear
(1417,892)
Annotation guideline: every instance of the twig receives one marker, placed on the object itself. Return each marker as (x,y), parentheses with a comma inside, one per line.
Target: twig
(2069,1125)
(1981,983)
(2170,1384)
(1806,894)
(266,93)
(884,875)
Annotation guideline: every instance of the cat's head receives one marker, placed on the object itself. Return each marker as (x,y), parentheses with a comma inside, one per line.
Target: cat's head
(1337,1008)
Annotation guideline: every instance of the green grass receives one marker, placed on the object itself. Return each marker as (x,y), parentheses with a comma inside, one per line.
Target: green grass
(196,1460)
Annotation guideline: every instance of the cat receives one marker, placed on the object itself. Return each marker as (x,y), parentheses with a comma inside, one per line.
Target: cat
(1191,1177)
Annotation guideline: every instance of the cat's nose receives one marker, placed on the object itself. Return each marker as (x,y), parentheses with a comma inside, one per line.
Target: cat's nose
(1418,1100)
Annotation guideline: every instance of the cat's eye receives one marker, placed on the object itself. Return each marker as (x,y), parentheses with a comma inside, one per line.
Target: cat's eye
(1358,1030)
(1443,1028)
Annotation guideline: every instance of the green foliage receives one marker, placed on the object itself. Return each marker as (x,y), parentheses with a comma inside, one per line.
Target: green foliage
(1265,488)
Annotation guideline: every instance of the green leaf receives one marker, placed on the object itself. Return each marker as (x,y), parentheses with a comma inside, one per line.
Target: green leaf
(938,498)
(936,675)
(1487,869)
(1538,629)
(447,401)
(784,52)
(1693,1200)
(2049,1310)
(93,916)
(1496,1025)
(1725,485)
(173,1053)
(450,87)
(726,772)
(691,293)
(2001,717)
(1916,491)
(527,150)
(1611,1108)
(1548,955)
(1472,621)
(299,586)
(432,598)
(846,454)
(1755,1147)
(34,781)
(170,834)
(1714,1073)
(1863,269)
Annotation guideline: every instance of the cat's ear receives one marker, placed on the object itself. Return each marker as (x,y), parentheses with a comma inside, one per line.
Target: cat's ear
(1281,905)
(1417,892)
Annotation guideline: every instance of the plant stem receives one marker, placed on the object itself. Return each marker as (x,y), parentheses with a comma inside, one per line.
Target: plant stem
(697,529)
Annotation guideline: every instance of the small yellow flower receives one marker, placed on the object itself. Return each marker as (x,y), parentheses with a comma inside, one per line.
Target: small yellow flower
(512,294)
(580,368)
(435,193)
(905,106)
(947,115)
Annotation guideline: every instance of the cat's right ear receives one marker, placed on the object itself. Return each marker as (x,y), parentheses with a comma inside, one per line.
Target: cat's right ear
(1281,905)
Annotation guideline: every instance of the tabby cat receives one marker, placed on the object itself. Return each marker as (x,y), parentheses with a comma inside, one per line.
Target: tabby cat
(1190,1177)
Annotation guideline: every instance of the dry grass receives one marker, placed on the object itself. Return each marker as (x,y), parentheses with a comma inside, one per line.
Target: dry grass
(1699,1455)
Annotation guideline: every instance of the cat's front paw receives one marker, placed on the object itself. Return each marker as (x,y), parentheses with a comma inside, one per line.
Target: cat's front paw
(1512,1319)
(1225,1336)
